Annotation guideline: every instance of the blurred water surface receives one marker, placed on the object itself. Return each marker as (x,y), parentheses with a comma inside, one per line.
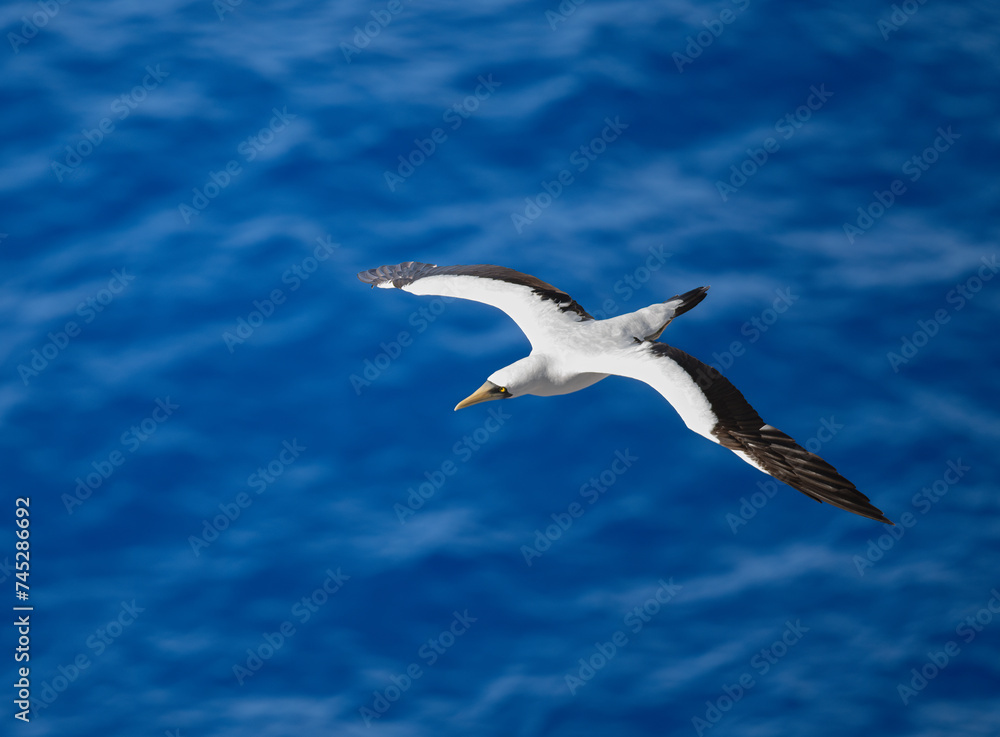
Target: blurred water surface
(225,436)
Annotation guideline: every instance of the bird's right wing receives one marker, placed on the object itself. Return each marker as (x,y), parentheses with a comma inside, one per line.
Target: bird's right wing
(712,407)
(539,309)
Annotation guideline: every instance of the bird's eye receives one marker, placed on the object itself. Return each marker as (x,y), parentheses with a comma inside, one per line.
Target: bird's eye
(503,390)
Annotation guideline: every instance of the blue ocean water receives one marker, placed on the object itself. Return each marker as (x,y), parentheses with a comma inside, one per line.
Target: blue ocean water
(252,508)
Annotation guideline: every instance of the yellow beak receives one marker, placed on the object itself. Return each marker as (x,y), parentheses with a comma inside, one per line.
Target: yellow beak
(484,393)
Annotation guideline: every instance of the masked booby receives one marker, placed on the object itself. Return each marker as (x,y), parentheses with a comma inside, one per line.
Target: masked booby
(570,350)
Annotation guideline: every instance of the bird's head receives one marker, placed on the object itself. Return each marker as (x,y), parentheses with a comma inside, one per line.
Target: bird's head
(511,381)
(485,393)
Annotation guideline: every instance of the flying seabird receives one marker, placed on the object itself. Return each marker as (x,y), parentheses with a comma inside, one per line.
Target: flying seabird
(571,350)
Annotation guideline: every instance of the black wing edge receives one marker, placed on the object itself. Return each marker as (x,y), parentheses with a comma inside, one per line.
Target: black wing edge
(741,428)
(399,274)
(409,271)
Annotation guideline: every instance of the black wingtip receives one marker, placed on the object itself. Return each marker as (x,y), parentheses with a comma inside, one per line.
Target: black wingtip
(788,462)
(399,274)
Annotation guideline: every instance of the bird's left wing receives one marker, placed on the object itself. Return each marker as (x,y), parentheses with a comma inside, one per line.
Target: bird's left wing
(538,308)
(712,407)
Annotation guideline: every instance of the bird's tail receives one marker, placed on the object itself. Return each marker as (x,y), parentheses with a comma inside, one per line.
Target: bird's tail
(686,301)
(678,305)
